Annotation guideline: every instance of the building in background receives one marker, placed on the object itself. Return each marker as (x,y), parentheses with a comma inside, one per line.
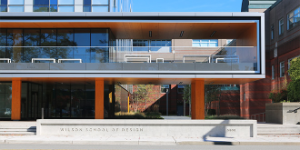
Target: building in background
(282,45)
(256,5)
(66,6)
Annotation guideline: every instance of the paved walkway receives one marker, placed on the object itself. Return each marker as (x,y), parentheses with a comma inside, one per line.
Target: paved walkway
(176,117)
(114,140)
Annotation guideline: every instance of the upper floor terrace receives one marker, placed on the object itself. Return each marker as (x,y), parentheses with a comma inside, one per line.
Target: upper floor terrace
(81,44)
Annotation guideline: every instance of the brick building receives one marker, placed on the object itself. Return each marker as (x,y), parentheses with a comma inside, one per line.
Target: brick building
(282,44)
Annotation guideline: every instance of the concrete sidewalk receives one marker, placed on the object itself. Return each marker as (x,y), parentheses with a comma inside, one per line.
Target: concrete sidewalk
(260,140)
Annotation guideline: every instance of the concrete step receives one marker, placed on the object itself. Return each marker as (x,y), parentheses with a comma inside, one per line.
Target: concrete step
(278,130)
(275,130)
(17,130)
(25,130)
(16,133)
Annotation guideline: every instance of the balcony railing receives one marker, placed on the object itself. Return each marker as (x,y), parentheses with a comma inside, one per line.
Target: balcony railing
(242,58)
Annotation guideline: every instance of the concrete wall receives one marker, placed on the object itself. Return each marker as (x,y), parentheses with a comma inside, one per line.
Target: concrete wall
(282,113)
(147,128)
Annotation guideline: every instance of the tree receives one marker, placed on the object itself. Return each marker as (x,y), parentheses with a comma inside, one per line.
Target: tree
(140,95)
(186,96)
(212,93)
(294,85)
(279,93)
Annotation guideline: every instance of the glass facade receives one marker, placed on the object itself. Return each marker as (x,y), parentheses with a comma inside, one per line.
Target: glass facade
(58,99)
(89,44)
(5,100)
(3,5)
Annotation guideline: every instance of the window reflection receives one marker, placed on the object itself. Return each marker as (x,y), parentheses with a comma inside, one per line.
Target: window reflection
(5,100)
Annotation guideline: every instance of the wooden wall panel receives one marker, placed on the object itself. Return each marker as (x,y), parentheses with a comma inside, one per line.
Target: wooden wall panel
(16,99)
(99,99)
(198,103)
(136,30)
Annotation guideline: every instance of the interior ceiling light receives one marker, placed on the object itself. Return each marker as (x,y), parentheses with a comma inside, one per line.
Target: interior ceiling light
(213,34)
(150,33)
(181,33)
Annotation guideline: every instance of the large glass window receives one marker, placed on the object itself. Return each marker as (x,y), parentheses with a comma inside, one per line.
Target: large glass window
(65,8)
(65,5)
(66,2)
(99,43)
(3,5)
(16,2)
(205,43)
(5,100)
(16,8)
(53,5)
(48,37)
(82,37)
(281,29)
(99,37)
(103,2)
(55,43)
(65,37)
(31,37)
(293,18)
(100,9)
(282,69)
(3,37)
(40,5)
(87,6)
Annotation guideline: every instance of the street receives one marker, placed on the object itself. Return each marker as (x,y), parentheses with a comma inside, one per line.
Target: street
(151,147)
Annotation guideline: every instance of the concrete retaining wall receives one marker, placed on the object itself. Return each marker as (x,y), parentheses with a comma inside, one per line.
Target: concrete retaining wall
(281,113)
(148,128)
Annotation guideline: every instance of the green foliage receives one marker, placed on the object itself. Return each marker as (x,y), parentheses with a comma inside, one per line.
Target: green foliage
(211,112)
(278,96)
(149,115)
(212,92)
(142,93)
(294,85)
(225,117)
(284,101)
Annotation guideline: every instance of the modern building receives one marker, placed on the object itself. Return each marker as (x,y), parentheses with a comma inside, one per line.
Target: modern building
(65,65)
(282,45)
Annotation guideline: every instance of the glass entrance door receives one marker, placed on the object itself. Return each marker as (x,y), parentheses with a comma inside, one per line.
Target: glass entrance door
(31,101)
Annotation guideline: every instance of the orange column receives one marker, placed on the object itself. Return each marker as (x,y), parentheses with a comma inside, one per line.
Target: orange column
(99,99)
(16,99)
(198,103)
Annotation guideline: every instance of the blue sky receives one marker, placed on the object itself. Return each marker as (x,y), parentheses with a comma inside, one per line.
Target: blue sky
(187,5)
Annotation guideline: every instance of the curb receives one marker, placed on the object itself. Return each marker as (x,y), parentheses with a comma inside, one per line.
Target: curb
(63,142)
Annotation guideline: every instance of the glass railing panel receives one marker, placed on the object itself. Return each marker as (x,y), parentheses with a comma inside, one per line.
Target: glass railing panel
(233,58)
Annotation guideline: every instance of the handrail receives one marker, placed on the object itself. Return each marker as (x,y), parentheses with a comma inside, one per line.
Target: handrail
(51,59)
(60,60)
(7,59)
